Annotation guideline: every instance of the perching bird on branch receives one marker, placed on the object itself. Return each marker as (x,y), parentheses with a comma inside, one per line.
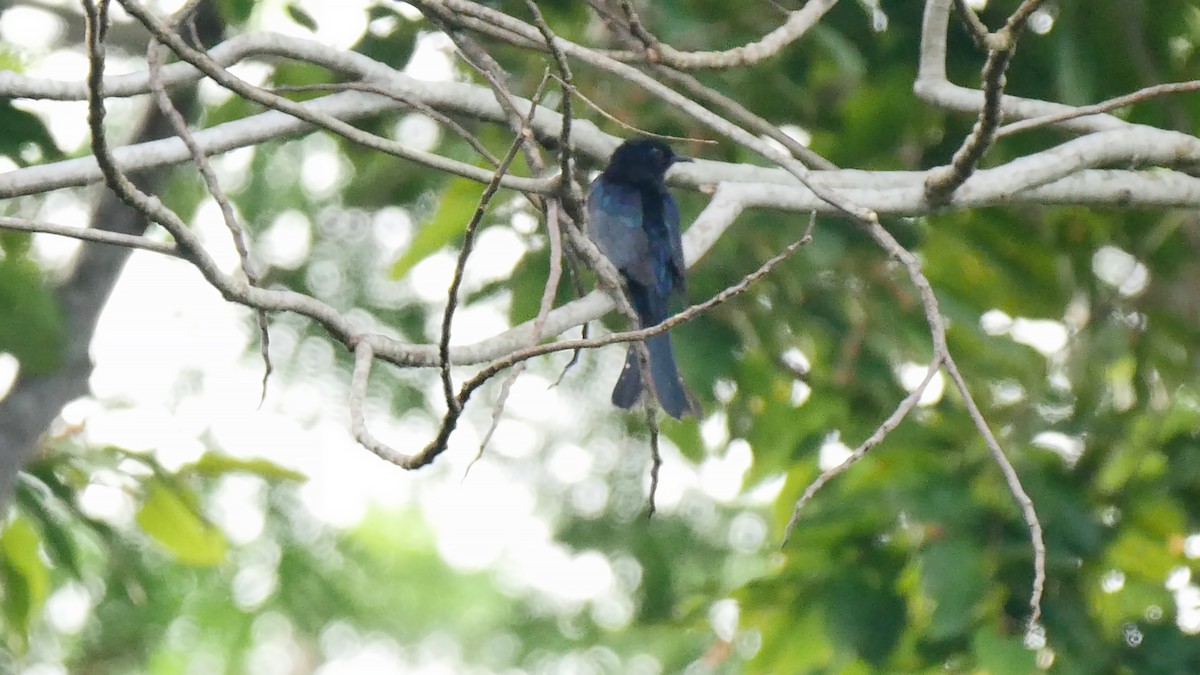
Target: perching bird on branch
(635,222)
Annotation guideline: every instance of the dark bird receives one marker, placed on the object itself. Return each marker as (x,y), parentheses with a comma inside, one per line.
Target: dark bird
(635,222)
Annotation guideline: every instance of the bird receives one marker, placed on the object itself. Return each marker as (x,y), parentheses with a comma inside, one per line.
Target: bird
(634,221)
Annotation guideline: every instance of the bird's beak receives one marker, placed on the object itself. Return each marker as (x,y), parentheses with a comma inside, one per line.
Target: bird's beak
(681,158)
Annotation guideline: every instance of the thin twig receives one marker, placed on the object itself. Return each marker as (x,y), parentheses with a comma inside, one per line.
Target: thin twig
(656,460)
(886,427)
(1002,44)
(970,20)
(637,30)
(639,335)
(478,58)
(547,302)
(575,355)
(449,8)
(420,106)
(1138,96)
(744,116)
(1013,480)
(1020,18)
(90,235)
(565,158)
(697,89)
(577,286)
(213,185)
(937,327)
(452,404)
(943,181)
(223,77)
(637,130)
(364,356)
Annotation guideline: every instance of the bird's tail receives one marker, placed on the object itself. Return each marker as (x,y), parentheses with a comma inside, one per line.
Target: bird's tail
(672,394)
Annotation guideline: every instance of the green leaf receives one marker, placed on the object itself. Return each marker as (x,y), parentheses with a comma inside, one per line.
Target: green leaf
(55,528)
(1075,81)
(170,519)
(294,74)
(952,576)
(1001,655)
(527,280)
(864,614)
(22,127)
(300,16)
(458,203)
(32,329)
(26,579)
(15,244)
(235,11)
(214,464)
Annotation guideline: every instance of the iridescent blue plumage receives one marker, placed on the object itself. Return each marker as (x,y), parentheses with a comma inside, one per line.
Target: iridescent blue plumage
(635,222)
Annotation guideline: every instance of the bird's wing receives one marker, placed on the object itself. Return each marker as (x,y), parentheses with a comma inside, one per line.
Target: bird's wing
(671,216)
(615,224)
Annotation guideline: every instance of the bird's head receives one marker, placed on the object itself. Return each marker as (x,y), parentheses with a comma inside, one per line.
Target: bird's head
(641,161)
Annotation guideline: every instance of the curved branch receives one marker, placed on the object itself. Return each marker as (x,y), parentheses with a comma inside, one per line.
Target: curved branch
(686,105)
(933,86)
(130,241)
(793,28)
(241,133)
(1001,46)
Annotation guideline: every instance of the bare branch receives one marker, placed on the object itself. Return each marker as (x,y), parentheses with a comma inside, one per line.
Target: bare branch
(415,104)
(793,28)
(656,460)
(361,375)
(634,335)
(89,234)
(933,86)
(567,180)
(239,133)
(235,84)
(1001,47)
(625,125)
(878,191)
(941,351)
(452,405)
(698,90)
(1104,106)
(549,292)
(236,231)
(886,427)
(684,104)
(970,20)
